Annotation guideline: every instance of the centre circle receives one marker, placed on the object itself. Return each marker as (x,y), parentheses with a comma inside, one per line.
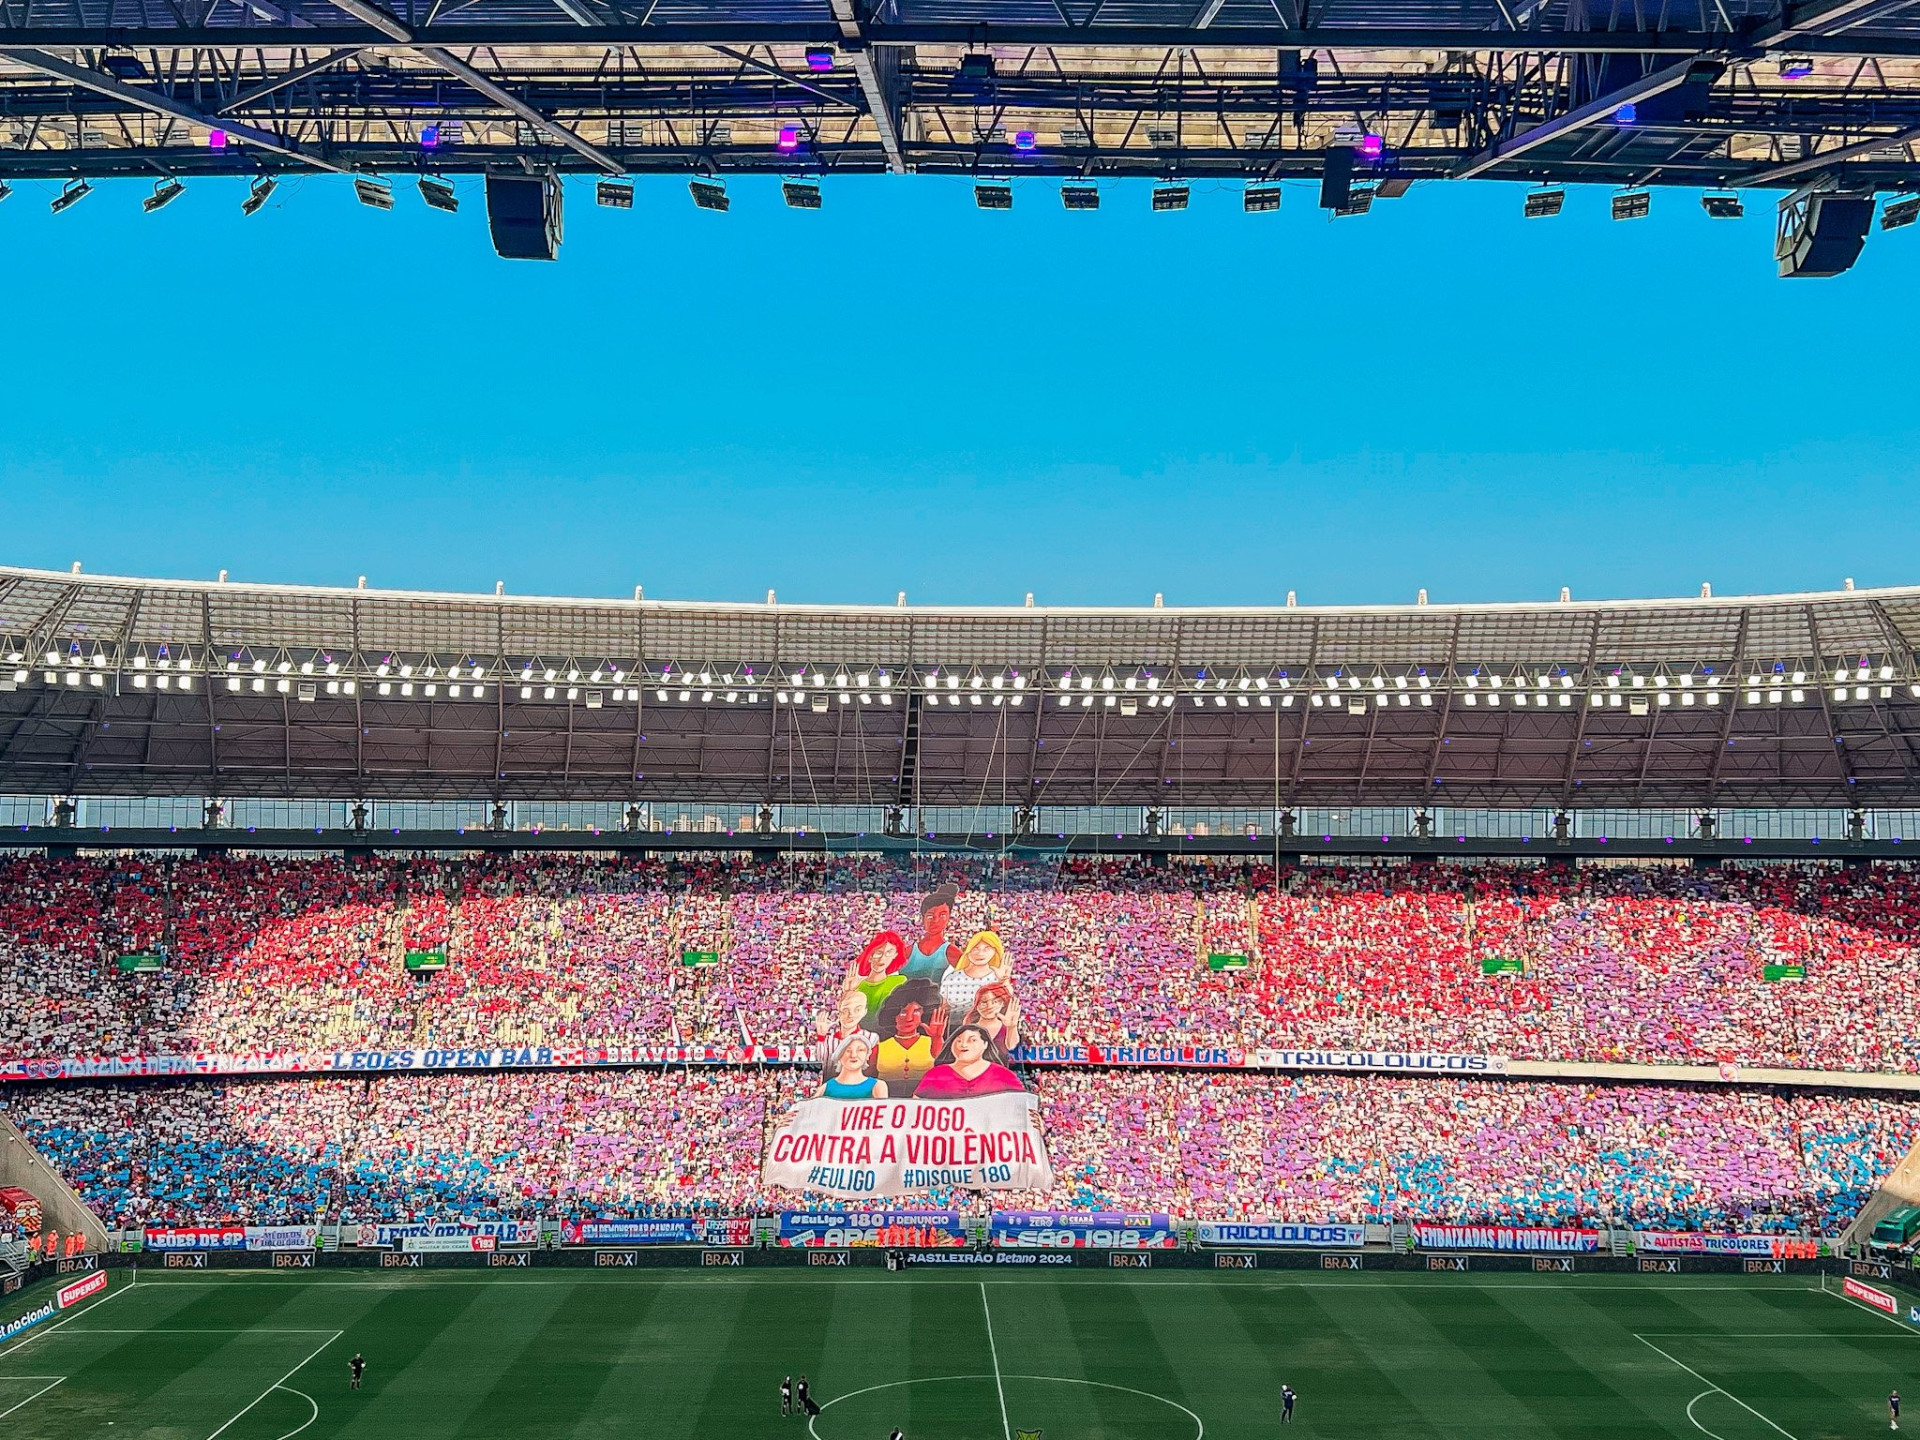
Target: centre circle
(1199,1427)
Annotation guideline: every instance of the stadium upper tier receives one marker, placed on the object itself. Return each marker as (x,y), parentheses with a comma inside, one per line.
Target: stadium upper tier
(1601,964)
(119,686)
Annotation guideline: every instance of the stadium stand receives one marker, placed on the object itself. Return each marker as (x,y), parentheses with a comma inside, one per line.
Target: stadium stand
(1638,964)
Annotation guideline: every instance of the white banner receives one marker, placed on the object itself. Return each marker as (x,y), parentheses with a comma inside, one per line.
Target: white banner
(281,1237)
(506,1232)
(446,1244)
(1688,1242)
(1281,1233)
(859,1149)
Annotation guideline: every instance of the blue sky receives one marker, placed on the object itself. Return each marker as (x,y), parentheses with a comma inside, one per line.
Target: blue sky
(901,392)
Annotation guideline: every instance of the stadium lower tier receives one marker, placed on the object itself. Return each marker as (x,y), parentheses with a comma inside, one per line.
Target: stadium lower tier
(1807,966)
(1219,1146)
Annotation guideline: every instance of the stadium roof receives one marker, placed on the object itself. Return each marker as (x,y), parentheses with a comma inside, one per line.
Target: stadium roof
(1729,93)
(149,687)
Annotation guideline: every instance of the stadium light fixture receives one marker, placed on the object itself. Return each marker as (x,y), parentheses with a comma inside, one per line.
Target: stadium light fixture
(375,193)
(819,58)
(1796,67)
(1080,197)
(1359,201)
(1628,114)
(1632,204)
(709,194)
(1542,204)
(789,139)
(72,194)
(1372,147)
(165,192)
(429,137)
(439,195)
(1723,207)
(1260,199)
(614,194)
(801,194)
(1024,141)
(1897,213)
(1170,197)
(993,195)
(216,139)
(257,196)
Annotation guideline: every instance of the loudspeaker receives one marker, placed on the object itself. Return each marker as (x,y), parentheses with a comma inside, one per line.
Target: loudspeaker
(1336,180)
(1821,232)
(523,215)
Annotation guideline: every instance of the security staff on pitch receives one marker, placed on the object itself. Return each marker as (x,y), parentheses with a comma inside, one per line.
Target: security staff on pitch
(1287,1398)
(356,1367)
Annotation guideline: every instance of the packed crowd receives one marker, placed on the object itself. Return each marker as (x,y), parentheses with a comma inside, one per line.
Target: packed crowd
(1310,1149)
(1655,964)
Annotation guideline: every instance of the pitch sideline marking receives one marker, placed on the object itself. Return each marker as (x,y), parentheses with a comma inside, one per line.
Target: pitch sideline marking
(316,1411)
(19,1345)
(1006,1429)
(281,1382)
(1199,1425)
(1720,1388)
(1845,1299)
(54,1380)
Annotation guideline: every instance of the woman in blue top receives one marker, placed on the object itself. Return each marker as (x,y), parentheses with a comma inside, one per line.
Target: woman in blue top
(850,1080)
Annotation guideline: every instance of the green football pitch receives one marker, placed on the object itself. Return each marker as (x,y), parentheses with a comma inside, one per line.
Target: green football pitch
(1075,1355)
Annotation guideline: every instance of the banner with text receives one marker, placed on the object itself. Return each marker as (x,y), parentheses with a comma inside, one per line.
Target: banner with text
(1503,1237)
(196,1237)
(281,1237)
(1081,1230)
(660,1230)
(1251,1234)
(1771,1247)
(891,1229)
(506,1232)
(862,1149)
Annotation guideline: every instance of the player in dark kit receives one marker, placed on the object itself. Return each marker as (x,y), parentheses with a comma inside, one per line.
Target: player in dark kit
(1287,1398)
(1893,1410)
(356,1367)
(806,1400)
(786,1395)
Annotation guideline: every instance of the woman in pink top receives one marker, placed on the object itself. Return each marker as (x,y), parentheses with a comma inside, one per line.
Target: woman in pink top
(967,1072)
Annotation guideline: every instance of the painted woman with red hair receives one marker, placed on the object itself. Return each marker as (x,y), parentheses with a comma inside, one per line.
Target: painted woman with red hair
(876,971)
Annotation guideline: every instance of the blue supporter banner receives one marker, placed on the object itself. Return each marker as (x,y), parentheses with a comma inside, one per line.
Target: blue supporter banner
(891,1229)
(1081,1230)
(660,1230)
(1258,1234)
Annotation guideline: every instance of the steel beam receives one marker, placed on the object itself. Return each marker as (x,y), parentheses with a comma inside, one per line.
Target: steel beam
(155,103)
(1792,171)
(1658,82)
(394,29)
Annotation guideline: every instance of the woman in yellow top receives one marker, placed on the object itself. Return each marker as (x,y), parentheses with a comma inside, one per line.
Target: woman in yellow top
(909,1049)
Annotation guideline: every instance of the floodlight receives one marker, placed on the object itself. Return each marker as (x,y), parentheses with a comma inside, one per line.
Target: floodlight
(976,65)
(1259,199)
(257,196)
(439,194)
(429,137)
(1723,207)
(1170,197)
(993,195)
(1372,147)
(216,139)
(789,140)
(73,194)
(819,58)
(1632,204)
(1080,197)
(165,192)
(377,193)
(1023,140)
(1393,187)
(615,194)
(1543,203)
(1896,213)
(801,194)
(1359,201)
(1795,67)
(1627,114)
(708,194)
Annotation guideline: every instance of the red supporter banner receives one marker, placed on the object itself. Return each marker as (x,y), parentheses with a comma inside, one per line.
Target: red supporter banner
(1687,1242)
(1866,1294)
(79,1290)
(1504,1237)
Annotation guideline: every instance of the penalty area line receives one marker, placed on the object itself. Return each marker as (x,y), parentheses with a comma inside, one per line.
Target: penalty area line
(281,1384)
(1713,1388)
(54,1380)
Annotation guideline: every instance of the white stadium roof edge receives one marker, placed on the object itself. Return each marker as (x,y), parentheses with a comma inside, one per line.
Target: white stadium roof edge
(115,685)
